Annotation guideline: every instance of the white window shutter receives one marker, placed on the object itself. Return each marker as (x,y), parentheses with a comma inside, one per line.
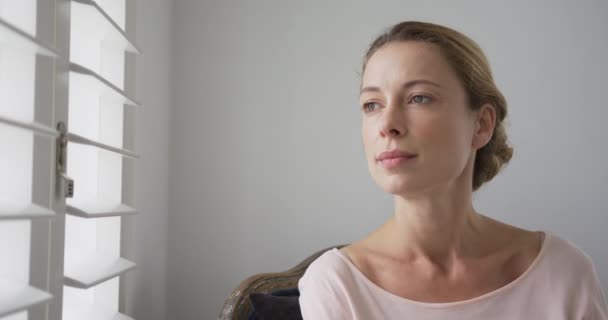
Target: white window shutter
(97,160)
(70,63)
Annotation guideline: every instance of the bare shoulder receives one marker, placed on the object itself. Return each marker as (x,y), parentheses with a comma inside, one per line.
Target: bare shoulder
(358,255)
(520,245)
(365,256)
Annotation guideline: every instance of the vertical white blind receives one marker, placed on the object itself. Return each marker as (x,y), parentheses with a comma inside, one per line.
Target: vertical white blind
(21,137)
(97,102)
(43,81)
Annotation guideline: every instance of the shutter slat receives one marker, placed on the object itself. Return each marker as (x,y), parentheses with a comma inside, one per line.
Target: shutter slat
(30,211)
(36,127)
(99,210)
(96,15)
(17,38)
(105,88)
(94,270)
(16,297)
(82,140)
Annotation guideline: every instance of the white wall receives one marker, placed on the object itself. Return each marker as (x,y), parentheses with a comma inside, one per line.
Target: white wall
(147,284)
(266,158)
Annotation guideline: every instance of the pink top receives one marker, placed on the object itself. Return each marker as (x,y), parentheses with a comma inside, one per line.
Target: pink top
(560,284)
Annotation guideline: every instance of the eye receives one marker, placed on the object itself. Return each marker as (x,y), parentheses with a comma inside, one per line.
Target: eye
(420,99)
(368,106)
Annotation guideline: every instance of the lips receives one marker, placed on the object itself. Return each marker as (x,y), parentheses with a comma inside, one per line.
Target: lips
(395,158)
(395,154)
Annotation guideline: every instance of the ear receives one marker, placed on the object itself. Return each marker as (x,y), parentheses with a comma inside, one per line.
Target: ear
(485,121)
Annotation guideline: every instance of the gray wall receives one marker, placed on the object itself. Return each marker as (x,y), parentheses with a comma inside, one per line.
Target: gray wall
(146,285)
(266,158)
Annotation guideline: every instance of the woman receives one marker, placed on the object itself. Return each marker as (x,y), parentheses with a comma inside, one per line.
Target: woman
(433,134)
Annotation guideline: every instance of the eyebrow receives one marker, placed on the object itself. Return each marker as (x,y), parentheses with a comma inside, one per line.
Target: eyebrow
(406,85)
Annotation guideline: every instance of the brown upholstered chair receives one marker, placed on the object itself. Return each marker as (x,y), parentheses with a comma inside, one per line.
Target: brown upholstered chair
(238,305)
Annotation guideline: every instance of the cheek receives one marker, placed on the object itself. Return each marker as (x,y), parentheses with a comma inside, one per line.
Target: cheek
(370,147)
(429,131)
(367,137)
(448,136)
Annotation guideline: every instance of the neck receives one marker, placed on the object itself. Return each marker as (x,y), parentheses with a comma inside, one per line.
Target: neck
(435,227)
(440,226)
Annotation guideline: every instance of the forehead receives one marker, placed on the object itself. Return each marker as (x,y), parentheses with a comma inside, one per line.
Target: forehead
(398,62)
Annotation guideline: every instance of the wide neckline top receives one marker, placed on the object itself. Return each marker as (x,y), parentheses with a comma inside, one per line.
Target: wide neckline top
(357,273)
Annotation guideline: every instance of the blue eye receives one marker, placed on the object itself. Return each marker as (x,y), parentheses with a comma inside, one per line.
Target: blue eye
(420,99)
(366,106)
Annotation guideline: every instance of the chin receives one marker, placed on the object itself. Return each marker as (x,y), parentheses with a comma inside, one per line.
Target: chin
(398,185)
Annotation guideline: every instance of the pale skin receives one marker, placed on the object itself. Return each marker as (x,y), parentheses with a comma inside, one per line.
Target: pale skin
(436,247)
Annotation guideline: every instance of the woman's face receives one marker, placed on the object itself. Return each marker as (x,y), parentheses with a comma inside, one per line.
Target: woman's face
(413,101)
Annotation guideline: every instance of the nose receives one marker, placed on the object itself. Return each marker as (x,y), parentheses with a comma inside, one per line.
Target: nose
(392,123)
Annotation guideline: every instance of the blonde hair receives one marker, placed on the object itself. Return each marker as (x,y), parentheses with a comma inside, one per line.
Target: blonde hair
(473,69)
